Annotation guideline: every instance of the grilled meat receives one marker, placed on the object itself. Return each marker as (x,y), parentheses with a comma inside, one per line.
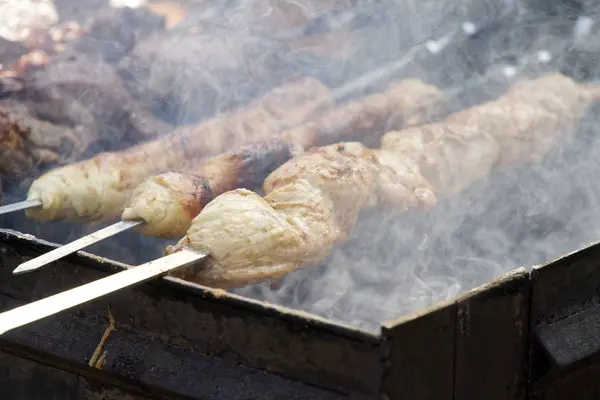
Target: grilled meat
(312,201)
(27,143)
(89,93)
(311,204)
(98,188)
(168,202)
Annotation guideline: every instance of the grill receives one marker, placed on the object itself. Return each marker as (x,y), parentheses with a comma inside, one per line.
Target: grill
(175,340)
(525,334)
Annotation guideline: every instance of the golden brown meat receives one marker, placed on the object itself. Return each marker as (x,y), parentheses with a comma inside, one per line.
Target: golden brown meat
(313,200)
(168,202)
(529,119)
(98,188)
(312,203)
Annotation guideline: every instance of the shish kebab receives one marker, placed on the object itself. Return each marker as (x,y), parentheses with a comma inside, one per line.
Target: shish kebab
(312,201)
(118,173)
(72,192)
(165,204)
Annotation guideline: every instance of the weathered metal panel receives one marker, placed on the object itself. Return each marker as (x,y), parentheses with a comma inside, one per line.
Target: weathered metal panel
(199,323)
(420,353)
(22,379)
(492,340)
(565,344)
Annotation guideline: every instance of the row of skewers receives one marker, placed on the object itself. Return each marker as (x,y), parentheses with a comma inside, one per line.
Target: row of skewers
(315,173)
(313,194)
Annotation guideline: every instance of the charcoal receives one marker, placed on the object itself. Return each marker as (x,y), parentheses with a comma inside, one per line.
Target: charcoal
(90,93)
(113,32)
(183,79)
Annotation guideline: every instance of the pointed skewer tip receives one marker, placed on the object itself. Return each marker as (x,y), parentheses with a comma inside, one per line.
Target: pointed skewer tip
(75,246)
(21,205)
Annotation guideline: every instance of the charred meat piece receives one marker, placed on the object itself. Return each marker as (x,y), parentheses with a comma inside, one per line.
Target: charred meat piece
(10,52)
(98,188)
(169,201)
(313,200)
(28,143)
(90,93)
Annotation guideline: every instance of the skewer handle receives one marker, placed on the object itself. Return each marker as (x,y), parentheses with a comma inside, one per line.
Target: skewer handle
(37,310)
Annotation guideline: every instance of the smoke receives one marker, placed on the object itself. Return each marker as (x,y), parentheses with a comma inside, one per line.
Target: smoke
(228,53)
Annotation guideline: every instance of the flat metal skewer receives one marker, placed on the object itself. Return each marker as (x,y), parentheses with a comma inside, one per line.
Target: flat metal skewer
(21,205)
(51,305)
(76,245)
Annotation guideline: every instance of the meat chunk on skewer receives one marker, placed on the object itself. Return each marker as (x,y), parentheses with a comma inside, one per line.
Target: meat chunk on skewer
(98,188)
(168,202)
(312,201)
(27,143)
(310,206)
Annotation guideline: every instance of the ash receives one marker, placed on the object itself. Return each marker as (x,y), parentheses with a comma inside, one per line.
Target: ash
(394,263)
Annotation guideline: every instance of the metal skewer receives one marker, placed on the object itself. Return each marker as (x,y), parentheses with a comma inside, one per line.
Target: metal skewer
(76,245)
(339,95)
(21,205)
(37,310)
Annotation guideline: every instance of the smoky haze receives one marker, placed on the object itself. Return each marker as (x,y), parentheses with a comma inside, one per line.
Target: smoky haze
(394,263)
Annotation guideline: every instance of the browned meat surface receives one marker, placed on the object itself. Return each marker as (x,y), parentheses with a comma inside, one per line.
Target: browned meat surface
(27,143)
(98,188)
(89,93)
(313,200)
(169,202)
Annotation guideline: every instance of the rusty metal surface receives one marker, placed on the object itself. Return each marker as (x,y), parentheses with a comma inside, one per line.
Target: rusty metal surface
(198,330)
(420,355)
(492,340)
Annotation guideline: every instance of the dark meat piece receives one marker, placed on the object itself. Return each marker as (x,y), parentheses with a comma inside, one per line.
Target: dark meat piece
(10,52)
(27,143)
(88,93)
(183,79)
(113,32)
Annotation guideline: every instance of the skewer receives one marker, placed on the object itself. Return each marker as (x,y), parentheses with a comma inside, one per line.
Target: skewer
(21,205)
(40,309)
(76,245)
(339,95)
